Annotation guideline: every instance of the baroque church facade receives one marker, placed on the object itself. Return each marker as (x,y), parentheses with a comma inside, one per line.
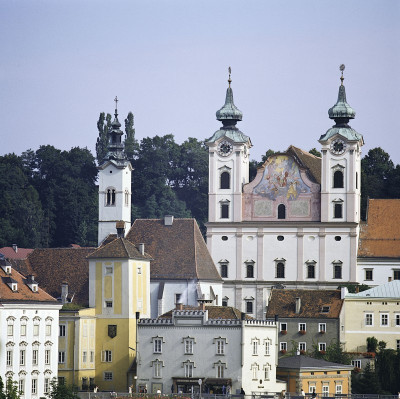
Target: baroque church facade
(296,225)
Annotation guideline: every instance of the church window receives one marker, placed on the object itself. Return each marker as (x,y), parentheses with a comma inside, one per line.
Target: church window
(126,197)
(311,270)
(281,211)
(224,270)
(225,179)
(338,179)
(249,269)
(338,211)
(224,211)
(249,306)
(280,238)
(337,270)
(396,274)
(110,197)
(280,270)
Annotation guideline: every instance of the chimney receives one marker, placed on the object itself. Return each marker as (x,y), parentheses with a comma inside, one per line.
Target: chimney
(168,220)
(120,225)
(389,279)
(298,305)
(343,292)
(179,306)
(141,248)
(15,248)
(276,318)
(64,292)
(357,289)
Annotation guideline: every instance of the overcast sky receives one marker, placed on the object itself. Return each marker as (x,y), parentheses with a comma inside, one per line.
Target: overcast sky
(63,62)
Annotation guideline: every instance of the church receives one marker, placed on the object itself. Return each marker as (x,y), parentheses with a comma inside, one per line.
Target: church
(296,225)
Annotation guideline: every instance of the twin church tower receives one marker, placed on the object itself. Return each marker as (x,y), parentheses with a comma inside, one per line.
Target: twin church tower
(295,225)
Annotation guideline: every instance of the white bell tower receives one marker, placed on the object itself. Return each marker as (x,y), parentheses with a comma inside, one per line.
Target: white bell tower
(228,164)
(341,165)
(114,184)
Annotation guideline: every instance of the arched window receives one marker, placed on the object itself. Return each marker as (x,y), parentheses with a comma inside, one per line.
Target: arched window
(280,270)
(281,211)
(110,196)
(338,179)
(225,180)
(249,270)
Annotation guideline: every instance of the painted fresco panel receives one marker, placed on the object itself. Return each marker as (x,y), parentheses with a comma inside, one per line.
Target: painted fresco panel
(263,208)
(281,178)
(300,208)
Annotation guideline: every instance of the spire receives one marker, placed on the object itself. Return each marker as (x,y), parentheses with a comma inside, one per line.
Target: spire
(229,114)
(341,112)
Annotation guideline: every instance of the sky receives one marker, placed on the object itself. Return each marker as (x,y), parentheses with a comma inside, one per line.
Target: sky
(63,62)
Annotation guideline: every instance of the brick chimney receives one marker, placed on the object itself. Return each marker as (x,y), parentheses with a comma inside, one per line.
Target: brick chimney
(15,248)
(298,305)
(168,220)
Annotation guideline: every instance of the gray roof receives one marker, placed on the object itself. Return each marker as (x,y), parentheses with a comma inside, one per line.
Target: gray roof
(231,133)
(346,132)
(229,111)
(388,290)
(305,362)
(341,109)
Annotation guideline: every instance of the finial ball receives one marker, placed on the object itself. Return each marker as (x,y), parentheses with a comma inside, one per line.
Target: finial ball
(342,67)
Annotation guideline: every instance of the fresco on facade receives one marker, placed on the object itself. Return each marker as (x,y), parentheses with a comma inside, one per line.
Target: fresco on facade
(281,177)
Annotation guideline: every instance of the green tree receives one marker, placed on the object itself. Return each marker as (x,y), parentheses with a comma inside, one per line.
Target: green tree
(366,382)
(12,389)
(315,152)
(2,394)
(103,127)
(372,344)
(131,144)
(334,353)
(61,391)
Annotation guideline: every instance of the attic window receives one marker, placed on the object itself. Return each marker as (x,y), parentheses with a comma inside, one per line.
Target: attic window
(34,287)
(8,269)
(325,309)
(14,286)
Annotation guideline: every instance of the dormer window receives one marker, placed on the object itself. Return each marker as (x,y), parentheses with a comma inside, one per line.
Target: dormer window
(14,286)
(325,309)
(32,283)
(8,269)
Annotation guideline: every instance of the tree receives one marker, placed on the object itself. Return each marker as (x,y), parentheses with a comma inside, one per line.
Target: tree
(103,126)
(315,152)
(131,144)
(372,344)
(61,391)
(12,389)
(334,353)
(366,382)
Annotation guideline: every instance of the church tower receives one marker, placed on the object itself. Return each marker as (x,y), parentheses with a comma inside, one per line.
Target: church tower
(341,164)
(114,183)
(228,164)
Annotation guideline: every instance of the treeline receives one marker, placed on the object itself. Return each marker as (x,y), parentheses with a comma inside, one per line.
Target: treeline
(49,197)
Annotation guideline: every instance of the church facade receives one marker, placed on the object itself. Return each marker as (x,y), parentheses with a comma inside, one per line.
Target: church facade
(296,225)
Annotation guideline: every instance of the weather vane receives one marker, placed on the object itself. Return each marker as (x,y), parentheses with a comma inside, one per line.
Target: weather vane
(229,80)
(116,102)
(342,68)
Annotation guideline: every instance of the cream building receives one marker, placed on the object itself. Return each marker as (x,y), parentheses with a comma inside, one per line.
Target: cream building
(371,313)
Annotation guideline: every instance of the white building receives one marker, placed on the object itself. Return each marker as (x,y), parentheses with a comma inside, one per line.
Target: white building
(28,333)
(215,344)
(296,224)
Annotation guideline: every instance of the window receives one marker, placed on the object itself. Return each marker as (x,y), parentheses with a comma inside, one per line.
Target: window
(266,372)
(283,326)
(225,301)
(281,211)
(322,327)
(109,304)
(396,274)
(220,346)
(249,269)
(188,370)
(110,196)
(47,356)
(338,211)
(254,344)
(397,319)
(283,346)
(225,180)
(62,330)
(280,270)
(338,179)
(189,346)
(322,346)
(48,329)
(338,389)
(126,197)
(35,354)
(9,358)
(398,344)
(368,274)
(356,363)
(91,356)
(224,211)
(109,270)
(21,386)
(325,390)
(61,380)
(46,385)
(157,345)
(36,329)
(369,321)
(107,356)
(302,346)
(302,326)
(177,298)
(34,386)
(311,270)
(280,238)
(61,357)
(267,348)
(22,357)
(108,376)
(157,367)
(325,309)
(254,372)
(10,330)
(224,270)
(384,319)
(249,306)
(337,270)
(23,330)
(220,370)
(84,357)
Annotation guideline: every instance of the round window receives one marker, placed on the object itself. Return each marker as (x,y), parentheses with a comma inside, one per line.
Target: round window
(338,238)
(224,238)
(280,238)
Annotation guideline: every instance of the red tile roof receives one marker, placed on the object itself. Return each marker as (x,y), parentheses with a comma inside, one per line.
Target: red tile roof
(282,302)
(10,253)
(380,235)
(118,248)
(179,250)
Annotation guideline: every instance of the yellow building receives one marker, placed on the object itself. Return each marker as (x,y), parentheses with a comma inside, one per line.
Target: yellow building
(314,375)
(372,313)
(77,346)
(119,293)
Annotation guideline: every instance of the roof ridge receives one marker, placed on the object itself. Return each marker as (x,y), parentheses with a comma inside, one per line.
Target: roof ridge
(123,243)
(195,250)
